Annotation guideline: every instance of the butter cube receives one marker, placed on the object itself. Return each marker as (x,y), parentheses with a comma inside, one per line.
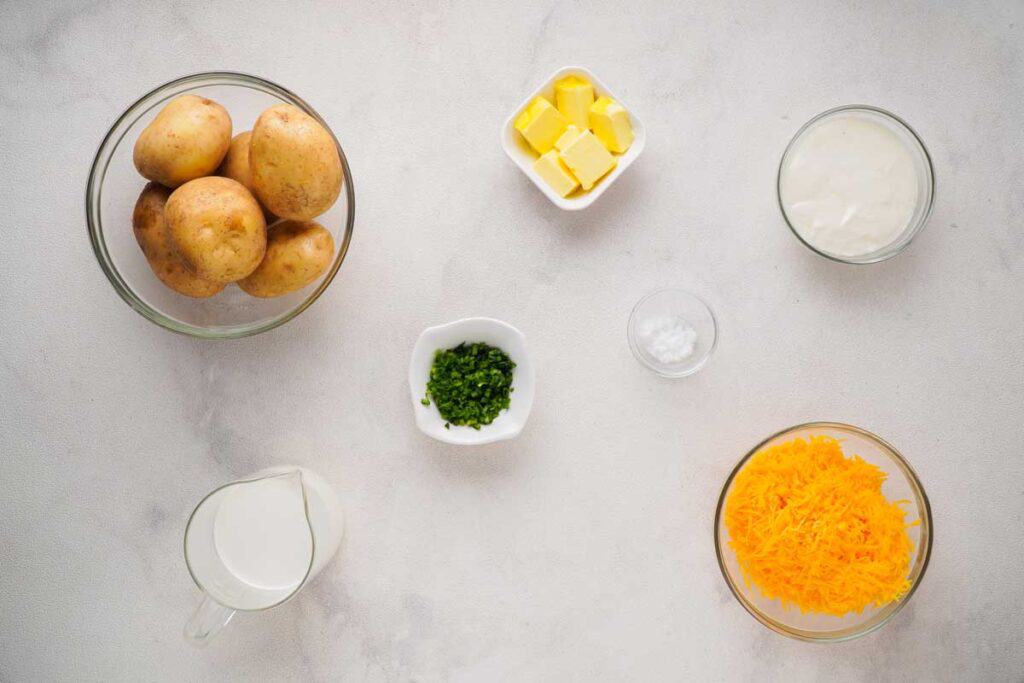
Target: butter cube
(555,173)
(573,97)
(610,123)
(570,134)
(587,159)
(541,124)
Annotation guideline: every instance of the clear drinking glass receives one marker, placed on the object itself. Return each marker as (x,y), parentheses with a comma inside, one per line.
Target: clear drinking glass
(114,186)
(242,565)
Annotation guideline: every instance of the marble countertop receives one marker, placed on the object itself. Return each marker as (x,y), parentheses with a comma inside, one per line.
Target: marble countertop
(581,550)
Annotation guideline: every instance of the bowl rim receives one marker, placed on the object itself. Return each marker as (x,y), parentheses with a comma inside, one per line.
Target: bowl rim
(846,634)
(465,436)
(97,174)
(892,249)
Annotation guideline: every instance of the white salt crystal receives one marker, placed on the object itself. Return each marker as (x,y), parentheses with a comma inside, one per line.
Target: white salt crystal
(668,339)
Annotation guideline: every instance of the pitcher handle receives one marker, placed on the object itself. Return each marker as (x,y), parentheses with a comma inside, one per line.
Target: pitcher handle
(207,621)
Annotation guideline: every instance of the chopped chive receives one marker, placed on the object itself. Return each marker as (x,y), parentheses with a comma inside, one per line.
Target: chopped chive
(470,384)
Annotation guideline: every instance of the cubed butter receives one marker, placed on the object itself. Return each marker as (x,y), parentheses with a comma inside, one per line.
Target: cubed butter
(573,97)
(555,173)
(570,134)
(541,124)
(610,123)
(587,159)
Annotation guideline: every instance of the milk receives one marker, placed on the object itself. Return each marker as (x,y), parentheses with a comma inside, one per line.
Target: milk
(261,535)
(850,183)
(252,544)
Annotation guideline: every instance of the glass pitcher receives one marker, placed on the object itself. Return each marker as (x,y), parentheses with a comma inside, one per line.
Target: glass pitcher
(254,543)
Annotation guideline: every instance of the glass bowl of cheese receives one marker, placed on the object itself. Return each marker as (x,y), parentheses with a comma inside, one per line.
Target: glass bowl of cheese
(823,532)
(572,137)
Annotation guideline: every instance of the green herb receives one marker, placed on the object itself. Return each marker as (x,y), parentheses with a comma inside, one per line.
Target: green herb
(470,384)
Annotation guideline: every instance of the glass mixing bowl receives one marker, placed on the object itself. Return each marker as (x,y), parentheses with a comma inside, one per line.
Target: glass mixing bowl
(901,484)
(922,164)
(114,186)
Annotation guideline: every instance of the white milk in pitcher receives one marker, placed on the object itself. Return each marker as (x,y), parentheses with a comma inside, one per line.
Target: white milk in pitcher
(261,534)
(258,545)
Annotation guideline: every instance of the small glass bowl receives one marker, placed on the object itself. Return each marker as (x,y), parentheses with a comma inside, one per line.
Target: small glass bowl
(674,303)
(114,186)
(901,484)
(925,178)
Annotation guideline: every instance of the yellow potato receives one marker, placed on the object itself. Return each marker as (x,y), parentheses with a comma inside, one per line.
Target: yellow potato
(187,140)
(296,170)
(217,228)
(151,233)
(297,254)
(236,166)
(236,161)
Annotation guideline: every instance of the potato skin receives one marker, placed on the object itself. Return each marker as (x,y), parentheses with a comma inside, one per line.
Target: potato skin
(216,228)
(236,161)
(297,254)
(187,140)
(296,170)
(151,233)
(236,167)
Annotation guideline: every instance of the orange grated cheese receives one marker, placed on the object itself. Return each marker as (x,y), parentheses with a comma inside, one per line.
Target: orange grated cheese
(812,528)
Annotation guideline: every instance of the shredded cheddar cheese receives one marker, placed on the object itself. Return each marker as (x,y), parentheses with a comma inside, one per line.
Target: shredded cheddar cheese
(812,528)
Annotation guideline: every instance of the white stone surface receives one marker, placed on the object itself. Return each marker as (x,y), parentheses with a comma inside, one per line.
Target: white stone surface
(583,549)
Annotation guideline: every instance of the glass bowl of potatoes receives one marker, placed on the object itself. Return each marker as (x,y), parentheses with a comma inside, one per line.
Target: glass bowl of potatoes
(220,205)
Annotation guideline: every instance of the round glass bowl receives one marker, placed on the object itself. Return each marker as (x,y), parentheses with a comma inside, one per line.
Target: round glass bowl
(666,306)
(901,484)
(114,186)
(923,171)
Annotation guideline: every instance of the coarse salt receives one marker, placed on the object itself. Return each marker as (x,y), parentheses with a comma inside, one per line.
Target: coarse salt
(668,339)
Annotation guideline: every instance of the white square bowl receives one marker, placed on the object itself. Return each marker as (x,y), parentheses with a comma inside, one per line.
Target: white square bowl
(509,422)
(520,152)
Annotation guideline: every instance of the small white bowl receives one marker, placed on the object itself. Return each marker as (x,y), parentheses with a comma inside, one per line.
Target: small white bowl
(520,152)
(490,331)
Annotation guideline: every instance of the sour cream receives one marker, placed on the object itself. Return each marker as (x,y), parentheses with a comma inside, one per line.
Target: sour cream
(853,182)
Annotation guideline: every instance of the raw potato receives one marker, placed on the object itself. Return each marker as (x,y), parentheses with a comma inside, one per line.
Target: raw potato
(151,233)
(187,140)
(236,161)
(217,228)
(294,161)
(297,254)
(236,166)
